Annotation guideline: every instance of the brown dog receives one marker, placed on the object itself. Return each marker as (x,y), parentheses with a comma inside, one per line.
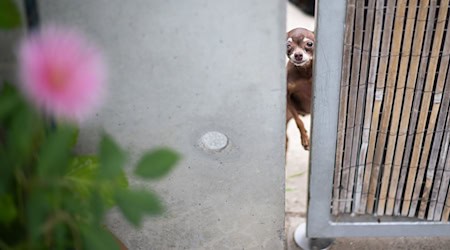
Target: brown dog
(300,51)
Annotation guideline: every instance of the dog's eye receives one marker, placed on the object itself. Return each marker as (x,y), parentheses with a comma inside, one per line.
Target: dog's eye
(309,44)
(288,45)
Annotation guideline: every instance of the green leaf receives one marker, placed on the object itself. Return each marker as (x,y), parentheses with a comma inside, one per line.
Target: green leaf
(9,100)
(134,204)
(9,15)
(8,209)
(38,208)
(22,130)
(75,138)
(82,174)
(54,155)
(6,170)
(98,239)
(112,158)
(108,191)
(157,163)
(83,167)
(121,181)
(97,207)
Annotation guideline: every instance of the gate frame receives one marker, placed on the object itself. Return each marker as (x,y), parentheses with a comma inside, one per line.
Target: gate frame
(330,26)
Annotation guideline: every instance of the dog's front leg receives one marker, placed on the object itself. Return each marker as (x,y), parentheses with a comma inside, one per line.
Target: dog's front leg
(300,125)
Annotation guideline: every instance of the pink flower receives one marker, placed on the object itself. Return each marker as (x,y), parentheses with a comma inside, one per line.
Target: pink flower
(62,73)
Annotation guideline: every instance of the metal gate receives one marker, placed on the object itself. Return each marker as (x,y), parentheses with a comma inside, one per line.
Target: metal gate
(379,155)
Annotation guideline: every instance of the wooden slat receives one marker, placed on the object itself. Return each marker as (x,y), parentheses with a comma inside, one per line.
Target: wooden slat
(432,172)
(388,95)
(415,81)
(435,208)
(398,101)
(381,79)
(345,80)
(358,170)
(368,50)
(443,67)
(404,113)
(349,170)
(426,98)
(446,211)
(375,57)
(417,46)
(443,191)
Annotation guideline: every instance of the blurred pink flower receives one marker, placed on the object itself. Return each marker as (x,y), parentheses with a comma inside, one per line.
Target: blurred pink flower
(62,73)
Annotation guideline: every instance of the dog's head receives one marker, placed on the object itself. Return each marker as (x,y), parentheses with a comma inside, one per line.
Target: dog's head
(300,47)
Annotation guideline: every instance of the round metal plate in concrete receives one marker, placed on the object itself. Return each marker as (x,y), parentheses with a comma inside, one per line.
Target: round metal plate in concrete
(214,141)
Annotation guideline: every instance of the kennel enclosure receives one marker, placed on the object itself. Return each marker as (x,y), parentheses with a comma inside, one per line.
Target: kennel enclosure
(380,163)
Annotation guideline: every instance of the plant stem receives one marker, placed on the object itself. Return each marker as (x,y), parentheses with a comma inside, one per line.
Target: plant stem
(62,216)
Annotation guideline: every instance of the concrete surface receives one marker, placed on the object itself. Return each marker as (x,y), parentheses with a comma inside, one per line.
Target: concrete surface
(179,69)
(297,178)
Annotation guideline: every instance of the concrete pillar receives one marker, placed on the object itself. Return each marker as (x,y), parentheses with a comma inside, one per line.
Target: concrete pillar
(180,69)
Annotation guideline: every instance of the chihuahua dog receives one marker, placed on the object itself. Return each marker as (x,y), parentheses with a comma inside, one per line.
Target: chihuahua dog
(300,51)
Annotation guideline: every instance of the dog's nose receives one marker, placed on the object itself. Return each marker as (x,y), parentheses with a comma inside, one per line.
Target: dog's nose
(298,56)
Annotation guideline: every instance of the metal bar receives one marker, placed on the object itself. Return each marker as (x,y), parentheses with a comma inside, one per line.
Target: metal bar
(388,229)
(329,46)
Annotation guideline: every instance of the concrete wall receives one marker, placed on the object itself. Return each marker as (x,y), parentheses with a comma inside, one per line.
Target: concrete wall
(178,69)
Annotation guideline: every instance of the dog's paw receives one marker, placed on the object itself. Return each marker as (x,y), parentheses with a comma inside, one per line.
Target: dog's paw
(305,142)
